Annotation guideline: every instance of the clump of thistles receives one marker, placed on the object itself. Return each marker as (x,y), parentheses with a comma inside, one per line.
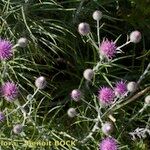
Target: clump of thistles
(135,37)
(88,74)
(132,86)
(5,49)
(76,95)
(108,143)
(40,82)
(84,28)
(9,91)
(108,49)
(106,95)
(120,88)
(97,15)
(17,129)
(2,116)
(71,112)
(22,42)
(107,128)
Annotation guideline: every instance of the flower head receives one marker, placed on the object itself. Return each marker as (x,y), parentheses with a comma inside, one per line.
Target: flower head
(106,95)
(147,99)
(135,36)
(5,49)
(22,42)
(2,116)
(76,95)
(120,88)
(108,48)
(40,82)
(88,74)
(71,112)
(107,128)
(17,128)
(108,143)
(83,28)
(132,86)
(9,91)
(97,15)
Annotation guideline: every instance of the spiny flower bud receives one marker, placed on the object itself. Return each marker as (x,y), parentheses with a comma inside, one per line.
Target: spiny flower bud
(132,86)
(147,99)
(83,28)
(22,42)
(40,82)
(76,95)
(71,112)
(107,128)
(29,96)
(17,128)
(135,37)
(97,15)
(88,74)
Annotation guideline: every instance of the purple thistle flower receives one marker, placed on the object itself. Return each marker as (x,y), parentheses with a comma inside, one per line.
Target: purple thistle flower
(9,91)
(5,49)
(108,48)
(108,143)
(76,95)
(106,95)
(120,88)
(2,116)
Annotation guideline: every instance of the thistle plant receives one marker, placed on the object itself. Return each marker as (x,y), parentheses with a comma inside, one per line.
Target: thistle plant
(10,90)
(102,103)
(108,99)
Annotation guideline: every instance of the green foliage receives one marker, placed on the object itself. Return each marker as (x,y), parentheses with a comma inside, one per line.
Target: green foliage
(57,51)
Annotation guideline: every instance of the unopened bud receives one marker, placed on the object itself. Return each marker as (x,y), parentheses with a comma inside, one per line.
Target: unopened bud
(71,112)
(97,15)
(88,74)
(17,128)
(40,82)
(132,86)
(135,37)
(147,99)
(22,42)
(76,95)
(107,128)
(84,28)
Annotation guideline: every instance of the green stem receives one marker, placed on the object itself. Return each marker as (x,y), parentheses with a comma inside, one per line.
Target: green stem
(98,34)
